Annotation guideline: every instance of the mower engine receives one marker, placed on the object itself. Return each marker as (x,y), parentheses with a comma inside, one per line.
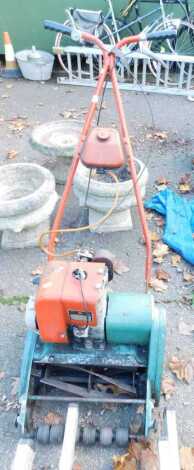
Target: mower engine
(92,345)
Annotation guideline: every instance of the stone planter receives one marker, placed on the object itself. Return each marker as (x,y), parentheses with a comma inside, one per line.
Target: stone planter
(101,196)
(27,199)
(58,140)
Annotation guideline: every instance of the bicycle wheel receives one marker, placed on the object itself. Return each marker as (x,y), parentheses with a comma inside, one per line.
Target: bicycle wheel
(182,45)
(61,38)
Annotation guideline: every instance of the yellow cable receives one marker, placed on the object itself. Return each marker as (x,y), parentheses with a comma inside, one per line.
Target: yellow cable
(79,229)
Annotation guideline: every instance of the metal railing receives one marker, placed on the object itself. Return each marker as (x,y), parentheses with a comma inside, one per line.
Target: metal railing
(85,63)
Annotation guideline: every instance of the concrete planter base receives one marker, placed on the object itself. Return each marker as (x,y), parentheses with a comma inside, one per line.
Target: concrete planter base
(28,237)
(118,221)
(28,198)
(102,195)
(58,140)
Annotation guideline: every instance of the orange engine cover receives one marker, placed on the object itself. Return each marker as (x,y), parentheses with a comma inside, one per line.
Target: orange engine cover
(103,149)
(62,300)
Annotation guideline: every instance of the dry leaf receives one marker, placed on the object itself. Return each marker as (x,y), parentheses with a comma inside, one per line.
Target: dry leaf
(37,271)
(158,260)
(159,221)
(140,455)
(149,460)
(182,369)
(148,215)
(184,187)
(188,277)
(185,178)
(154,236)
(2,374)
(158,285)
(15,386)
(175,260)
(185,329)
(76,466)
(161,136)
(119,267)
(187,458)
(162,275)
(168,387)
(12,154)
(18,124)
(162,181)
(53,418)
(160,250)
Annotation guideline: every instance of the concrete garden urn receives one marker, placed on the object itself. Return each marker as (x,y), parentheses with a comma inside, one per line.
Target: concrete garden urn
(27,199)
(58,140)
(102,194)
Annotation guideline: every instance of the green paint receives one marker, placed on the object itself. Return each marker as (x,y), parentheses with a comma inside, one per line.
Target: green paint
(24,19)
(14,300)
(129,318)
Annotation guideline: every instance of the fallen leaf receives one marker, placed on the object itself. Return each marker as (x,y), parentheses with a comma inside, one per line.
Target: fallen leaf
(18,124)
(53,418)
(168,387)
(15,386)
(161,181)
(175,260)
(160,250)
(9,86)
(37,271)
(185,178)
(140,410)
(148,460)
(161,136)
(159,260)
(119,267)
(149,215)
(158,285)
(162,275)
(159,221)
(188,277)
(182,369)
(4,96)
(12,154)
(187,458)
(76,466)
(140,455)
(2,374)
(184,188)
(185,329)
(154,236)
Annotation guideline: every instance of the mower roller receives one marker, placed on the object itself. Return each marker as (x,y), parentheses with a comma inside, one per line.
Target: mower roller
(84,343)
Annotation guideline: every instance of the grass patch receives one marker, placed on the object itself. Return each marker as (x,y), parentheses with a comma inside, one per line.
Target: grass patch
(14,300)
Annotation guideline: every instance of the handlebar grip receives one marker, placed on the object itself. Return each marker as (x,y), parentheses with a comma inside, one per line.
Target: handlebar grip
(59,27)
(165,34)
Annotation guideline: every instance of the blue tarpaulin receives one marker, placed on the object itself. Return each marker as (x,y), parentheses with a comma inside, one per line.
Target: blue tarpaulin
(179,227)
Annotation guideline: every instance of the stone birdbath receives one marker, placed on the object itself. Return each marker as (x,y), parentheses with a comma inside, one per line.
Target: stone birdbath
(101,196)
(58,140)
(27,199)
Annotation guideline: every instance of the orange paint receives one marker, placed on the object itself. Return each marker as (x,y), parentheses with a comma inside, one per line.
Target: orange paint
(60,294)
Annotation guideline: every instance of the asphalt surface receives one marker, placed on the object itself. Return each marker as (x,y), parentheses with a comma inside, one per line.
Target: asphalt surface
(168,157)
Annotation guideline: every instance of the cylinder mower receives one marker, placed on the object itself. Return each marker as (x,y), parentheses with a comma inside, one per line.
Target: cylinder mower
(85,344)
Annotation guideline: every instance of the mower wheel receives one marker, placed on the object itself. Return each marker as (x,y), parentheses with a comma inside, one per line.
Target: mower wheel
(106,436)
(122,437)
(56,433)
(43,434)
(89,435)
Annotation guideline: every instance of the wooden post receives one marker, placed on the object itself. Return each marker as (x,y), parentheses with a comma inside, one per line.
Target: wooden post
(71,427)
(24,455)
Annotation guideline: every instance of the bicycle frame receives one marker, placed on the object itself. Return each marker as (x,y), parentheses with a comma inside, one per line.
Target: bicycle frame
(108,70)
(138,20)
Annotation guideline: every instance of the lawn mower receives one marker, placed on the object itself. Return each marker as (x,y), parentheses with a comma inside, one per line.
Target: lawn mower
(84,343)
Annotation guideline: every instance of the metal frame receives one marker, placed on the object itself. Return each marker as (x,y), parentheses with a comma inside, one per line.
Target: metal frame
(139,81)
